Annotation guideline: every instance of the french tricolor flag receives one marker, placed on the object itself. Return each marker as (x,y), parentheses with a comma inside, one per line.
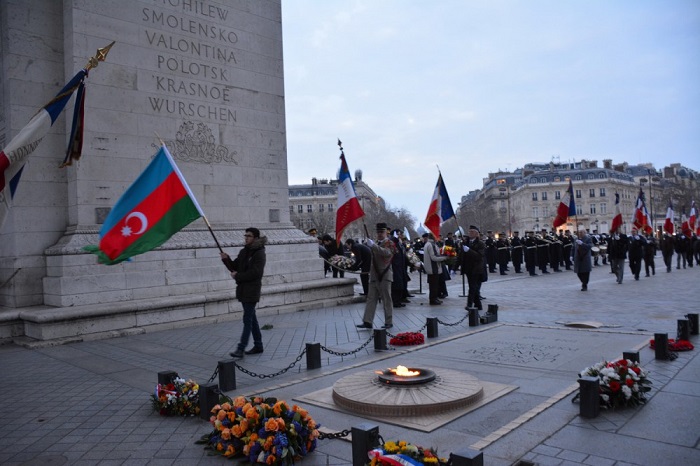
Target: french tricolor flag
(668,223)
(440,209)
(14,155)
(349,208)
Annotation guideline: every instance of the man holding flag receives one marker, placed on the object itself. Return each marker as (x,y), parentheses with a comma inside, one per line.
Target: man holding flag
(440,209)
(566,209)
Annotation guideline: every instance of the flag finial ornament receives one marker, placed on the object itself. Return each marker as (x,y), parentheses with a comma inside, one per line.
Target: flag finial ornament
(100,55)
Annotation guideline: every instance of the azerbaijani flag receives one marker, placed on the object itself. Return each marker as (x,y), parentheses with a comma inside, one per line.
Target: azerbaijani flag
(14,155)
(617,219)
(566,209)
(154,208)
(440,209)
(349,208)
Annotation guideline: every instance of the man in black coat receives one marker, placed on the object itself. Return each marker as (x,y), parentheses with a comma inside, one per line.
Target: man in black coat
(517,252)
(363,261)
(636,252)
(247,270)
(473,250)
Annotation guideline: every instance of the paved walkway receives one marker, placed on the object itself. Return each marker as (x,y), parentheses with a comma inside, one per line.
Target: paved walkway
(88,403)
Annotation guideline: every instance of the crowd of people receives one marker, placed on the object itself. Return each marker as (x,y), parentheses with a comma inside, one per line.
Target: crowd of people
(384,264)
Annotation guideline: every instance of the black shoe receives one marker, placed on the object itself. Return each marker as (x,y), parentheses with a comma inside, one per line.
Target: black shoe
(409,296)
(406,301)
(399,305)
(584,288)
(254,350)
(387,325)
(435,303)
(237,354)
(503,273)
(481,298)
(364,325)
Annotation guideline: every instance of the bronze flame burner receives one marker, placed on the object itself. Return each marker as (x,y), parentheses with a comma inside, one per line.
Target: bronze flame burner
(424,376)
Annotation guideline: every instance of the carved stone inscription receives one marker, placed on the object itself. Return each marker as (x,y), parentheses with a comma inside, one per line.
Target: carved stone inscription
(520,353)
(193,59)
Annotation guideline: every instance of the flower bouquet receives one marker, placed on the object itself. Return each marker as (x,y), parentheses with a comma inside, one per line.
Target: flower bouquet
(401,452)
(407,339)
(674,345)
(179,398)
(341,262)
(451,254)
(414,260)
(261,430)
(622,383)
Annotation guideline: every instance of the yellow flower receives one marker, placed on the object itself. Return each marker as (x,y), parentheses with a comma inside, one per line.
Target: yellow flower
(430,460)
(391,447)
(230,451)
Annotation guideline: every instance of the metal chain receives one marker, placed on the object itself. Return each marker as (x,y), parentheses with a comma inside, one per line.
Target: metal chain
(456,323)
(265,376)
(333,435)
(213,376)
(336,353)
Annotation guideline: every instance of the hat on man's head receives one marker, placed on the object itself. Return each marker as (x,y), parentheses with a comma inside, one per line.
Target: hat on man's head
(382,226)
(425,235)
(327,237)
(516,232)
(473,227)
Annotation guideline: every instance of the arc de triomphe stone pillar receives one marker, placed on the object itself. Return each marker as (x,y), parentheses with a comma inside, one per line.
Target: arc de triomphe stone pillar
(206,77)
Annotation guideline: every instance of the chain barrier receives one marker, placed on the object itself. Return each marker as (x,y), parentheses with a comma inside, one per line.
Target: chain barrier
(213,376)
(336,353)
(456,323)
(266,376)
(333,435)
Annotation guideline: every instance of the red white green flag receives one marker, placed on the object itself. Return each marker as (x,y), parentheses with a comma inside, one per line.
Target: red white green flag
(154,208)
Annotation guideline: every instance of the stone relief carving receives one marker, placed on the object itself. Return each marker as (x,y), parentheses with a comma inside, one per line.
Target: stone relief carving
(195,142)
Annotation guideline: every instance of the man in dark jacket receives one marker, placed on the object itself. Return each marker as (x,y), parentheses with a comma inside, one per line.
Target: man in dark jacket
(363,261)
(617,250)
(636,252)
(247,270)
(473,251)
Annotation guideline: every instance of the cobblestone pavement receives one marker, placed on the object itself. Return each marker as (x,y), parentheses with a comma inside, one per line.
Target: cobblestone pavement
(88,403)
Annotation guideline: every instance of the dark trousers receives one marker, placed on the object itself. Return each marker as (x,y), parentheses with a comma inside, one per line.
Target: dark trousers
(433,287)
(649,264)
(250,325)
(635,266)
(364,279)
(474,295)
(584,277)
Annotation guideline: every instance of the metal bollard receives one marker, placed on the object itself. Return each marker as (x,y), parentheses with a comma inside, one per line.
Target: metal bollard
(166,377)
(365,437)
(473,318)
(631,355)
(661,345)
(493,309)
(589,397)
(208,398)
(432,327)
(313,355)
(467,457)
(227,375)
(693,318)
(380,339)
(683,329)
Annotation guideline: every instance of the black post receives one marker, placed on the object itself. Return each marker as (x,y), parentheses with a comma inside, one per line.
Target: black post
(365,437)
(227,375)
(683,329)
(631,355)
(464,288)
(313,355)
(467,457)
(380,339)
(693,318)
(420,281)
(589,397)
(432,326)
(208,398)
(661,345)
(473,317)
(166,377)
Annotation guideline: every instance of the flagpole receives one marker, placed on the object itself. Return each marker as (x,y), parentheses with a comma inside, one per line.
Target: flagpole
(204,217)
(364,215)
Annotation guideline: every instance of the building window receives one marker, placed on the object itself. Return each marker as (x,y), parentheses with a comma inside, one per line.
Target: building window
(501,181)
(543,180)
(330,207)
(557,195)
(309,208)
(602,192)
(578,194)
(291,209)
(320,207)
(544,196)
(533,180)
(591,176)
(545,211)
(557,178)
(592,208)
(591,192)
(534,196)
(579,209)
(535,212)
(300,209)
(601,176)
(503,204)
(603,208)
(578,178)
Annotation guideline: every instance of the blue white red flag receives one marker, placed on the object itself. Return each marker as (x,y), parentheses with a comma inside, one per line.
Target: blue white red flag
(641,215)
(567,207)
(668,223)
(617,219)
(14,155)
(349,208)
(692,220)
(440,209)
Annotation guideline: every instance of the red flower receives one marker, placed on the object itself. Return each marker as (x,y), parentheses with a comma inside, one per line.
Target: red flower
(614,386)
(629,382)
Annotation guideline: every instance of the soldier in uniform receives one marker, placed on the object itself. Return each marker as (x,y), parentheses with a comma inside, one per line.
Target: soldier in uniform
(502,253)
(567,243)
(543,251)
(530,253)
(618,252)
(490,244)
(473,250)
(667,251)
(649,253)
(555,250)
(516,252)
(636,252)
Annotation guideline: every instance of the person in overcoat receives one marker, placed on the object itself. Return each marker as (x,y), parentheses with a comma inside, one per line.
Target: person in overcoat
(473,251)
(582,257)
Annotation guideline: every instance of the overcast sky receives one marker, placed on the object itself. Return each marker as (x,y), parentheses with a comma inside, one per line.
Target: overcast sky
(478,86)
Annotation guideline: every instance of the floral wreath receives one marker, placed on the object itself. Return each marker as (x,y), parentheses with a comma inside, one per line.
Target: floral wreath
(261,430)
(675,345)
(407,339)
(179,398)
(402,453)
(342,262)
(621,383)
